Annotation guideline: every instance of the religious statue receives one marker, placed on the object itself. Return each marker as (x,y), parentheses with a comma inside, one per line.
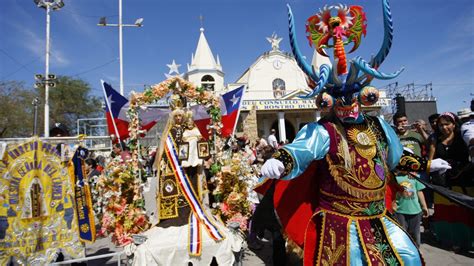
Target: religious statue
(34,204)
(191,136)
(173,207)
(180,142)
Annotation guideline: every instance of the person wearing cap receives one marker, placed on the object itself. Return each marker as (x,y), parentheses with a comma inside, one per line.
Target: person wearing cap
(467,132)
(464,114)
(59,130)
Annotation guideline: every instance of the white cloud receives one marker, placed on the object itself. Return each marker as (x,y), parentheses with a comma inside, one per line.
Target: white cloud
(37,45)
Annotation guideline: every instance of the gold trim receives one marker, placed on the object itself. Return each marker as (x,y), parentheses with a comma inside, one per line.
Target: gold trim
(362,243)
(373,185)
(286,158)
(320,247)
(339,173)
(428,167)
(162,188)
(395,251)
(333,252)
(169,208)
(356,218)
(348,198)
(348,241)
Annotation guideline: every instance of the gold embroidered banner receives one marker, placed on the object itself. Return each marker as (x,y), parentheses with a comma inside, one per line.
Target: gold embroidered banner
(37,217)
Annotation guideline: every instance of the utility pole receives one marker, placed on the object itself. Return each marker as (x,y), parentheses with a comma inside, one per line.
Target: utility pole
(35,120)
(48,5)
(120,25)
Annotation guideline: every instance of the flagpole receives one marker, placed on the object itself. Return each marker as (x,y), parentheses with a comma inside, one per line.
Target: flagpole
(111,114)
(238,112)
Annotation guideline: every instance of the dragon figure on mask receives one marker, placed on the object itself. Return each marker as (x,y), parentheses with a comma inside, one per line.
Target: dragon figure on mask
(331,181)
(335,85)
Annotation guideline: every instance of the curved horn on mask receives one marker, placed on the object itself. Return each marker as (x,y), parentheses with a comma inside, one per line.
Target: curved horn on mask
(320,78)
(353,73)
(334,77)
(321,82)
(307,69)
(387,38)
(367,69)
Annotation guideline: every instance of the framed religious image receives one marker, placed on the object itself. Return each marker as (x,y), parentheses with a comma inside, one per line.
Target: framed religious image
(203,150)
(183,151)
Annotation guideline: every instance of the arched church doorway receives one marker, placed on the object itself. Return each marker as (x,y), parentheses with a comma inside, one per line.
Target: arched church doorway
(289,129)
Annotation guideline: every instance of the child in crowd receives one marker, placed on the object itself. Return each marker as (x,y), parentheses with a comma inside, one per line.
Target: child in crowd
(411,205)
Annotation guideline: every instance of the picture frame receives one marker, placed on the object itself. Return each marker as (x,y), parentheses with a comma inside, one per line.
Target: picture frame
(203,150)
(183,151)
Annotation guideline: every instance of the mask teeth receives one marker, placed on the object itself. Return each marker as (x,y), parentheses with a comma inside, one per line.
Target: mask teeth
(352,112)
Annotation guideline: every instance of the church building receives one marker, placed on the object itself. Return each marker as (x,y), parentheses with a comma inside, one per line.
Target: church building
(272,86)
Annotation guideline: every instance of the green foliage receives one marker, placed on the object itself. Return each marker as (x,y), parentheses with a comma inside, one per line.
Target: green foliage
(215,113)
(16,110)
(69,100)
(215,168)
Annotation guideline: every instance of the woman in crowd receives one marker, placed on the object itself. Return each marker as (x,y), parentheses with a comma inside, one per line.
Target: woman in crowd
(91,168)
(452,224)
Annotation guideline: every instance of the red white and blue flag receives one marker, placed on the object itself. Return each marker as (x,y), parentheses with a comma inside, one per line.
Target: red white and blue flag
(230,103)
(116,107)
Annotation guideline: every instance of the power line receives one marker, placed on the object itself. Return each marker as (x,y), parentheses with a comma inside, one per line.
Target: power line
(95,68)
(452,84)
(22,66)
(89,16)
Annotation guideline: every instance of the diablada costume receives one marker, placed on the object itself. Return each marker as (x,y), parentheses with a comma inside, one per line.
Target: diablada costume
(333,205)
(339,215)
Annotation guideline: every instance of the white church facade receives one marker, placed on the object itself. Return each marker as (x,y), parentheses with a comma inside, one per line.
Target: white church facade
(272,86)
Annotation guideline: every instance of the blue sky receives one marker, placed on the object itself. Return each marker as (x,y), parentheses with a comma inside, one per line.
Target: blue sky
(434,40)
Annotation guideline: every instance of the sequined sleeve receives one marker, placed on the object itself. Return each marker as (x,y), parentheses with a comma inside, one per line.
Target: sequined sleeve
(412,162)
(311,143)
(395,148)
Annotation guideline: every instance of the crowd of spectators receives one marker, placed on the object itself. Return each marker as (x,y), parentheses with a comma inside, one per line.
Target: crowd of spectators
(451,138)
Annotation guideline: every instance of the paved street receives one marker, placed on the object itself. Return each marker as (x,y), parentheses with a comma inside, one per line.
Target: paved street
(433,254)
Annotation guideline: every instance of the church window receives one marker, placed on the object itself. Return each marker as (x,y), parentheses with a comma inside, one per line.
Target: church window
(278,88)
(208,82)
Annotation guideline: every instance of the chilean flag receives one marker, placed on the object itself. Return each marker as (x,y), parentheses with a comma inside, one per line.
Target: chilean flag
(116,107)
(230,106)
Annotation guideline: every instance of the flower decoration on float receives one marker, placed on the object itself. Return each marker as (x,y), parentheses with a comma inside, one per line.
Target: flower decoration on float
(231,192)
(181,88)
(120,203)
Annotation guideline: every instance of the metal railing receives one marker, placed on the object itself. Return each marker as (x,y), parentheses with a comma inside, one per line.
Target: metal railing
(93,143)
(116,254)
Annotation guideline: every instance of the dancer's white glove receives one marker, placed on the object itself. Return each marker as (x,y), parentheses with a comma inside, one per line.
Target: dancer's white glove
(439,165)
(272,168)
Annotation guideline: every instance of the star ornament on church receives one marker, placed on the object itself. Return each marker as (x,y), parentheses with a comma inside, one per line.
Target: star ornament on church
(173,68)
(234,100)
(274,40)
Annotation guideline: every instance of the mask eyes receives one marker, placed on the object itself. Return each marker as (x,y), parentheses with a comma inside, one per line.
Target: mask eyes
(324,101)
(368,96)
